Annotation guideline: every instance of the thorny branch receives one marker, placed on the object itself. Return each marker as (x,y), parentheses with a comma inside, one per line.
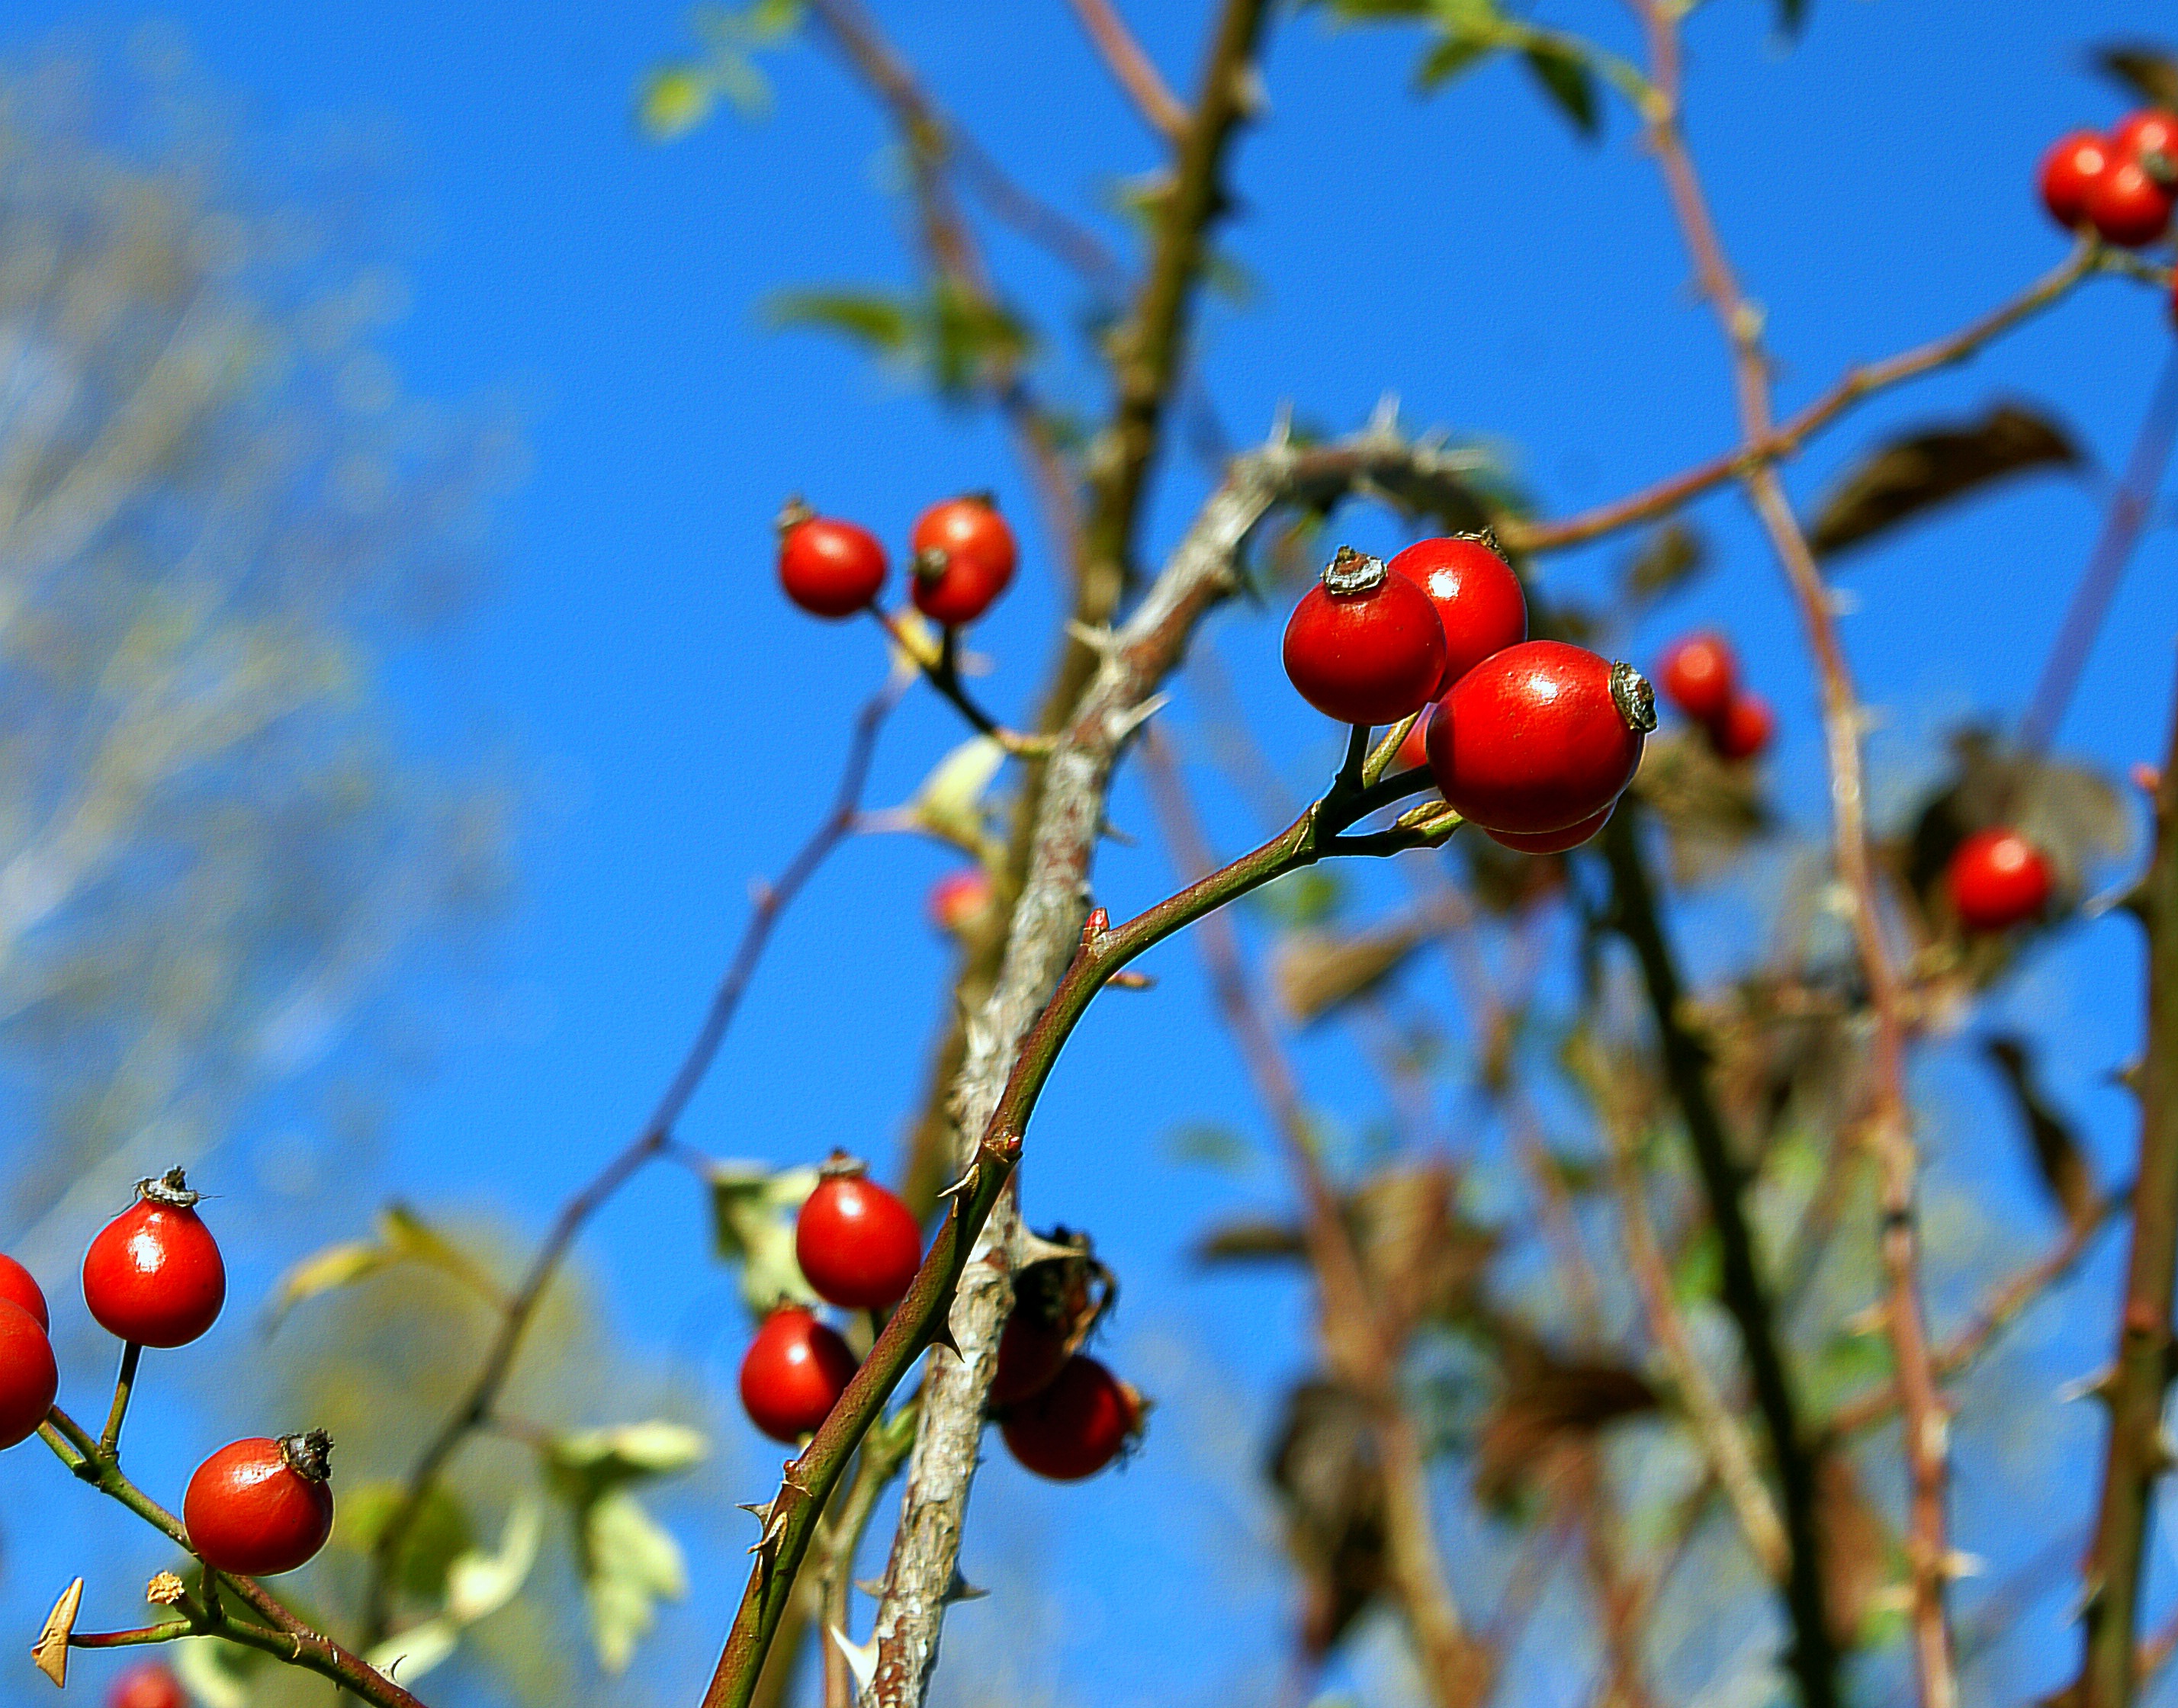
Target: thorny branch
(656,1135)
(1890,1130)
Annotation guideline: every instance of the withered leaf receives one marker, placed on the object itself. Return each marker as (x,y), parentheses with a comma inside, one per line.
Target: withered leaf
(2058,1156)
(1859,1551)
(1669,558)
(1318,971)
(1709,809)
(1250,1242)
(1331,1485)
(1905,476)
(2145,68)
(1545,1405)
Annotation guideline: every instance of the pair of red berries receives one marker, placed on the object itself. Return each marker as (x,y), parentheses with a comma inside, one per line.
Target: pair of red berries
(1997,880)
(2123,184)
(1700,676)
(1532,741)
(858,1248)
(962,554)
(1062,1413)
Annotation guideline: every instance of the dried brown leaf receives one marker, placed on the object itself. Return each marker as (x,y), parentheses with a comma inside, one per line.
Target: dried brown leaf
(1905,476)
(50,1651)
(1670,557)
(1709,810)
(2145,69)
(2058,1156)
(1331,1485)
(1545,1405)
(1318,971)
(1859,1553)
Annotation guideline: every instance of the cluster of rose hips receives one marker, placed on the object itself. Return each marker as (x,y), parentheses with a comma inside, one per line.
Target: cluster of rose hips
(2123,184)
(1700,676)
(1531,740)
(961,554)
(1064,1417)
(153,1277)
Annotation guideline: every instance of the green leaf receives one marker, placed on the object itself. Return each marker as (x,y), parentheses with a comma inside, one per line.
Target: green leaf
(402,1237)
(215,1674)
(753,1212)
(440,1535)
(949,803)
(1302,899)
(879,322)
(1563,71)
(1208,1145)
(1791,15)
(1450,57)
(477,1585)
(965,338)
(674,99)
(629,1563)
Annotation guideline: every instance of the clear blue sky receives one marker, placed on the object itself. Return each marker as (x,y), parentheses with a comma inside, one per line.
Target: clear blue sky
(1504,280)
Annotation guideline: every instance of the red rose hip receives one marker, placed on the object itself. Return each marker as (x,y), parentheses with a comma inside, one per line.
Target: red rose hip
(18,1287)
(1364,646)
(1032,1352)
(2129,206)
(147,1685)
(1478,597)
(1553,841)
(1540,737)
(261,1507)
(858,1245)
(29,1377)
(2143,135)
(957,899)
(1744,730)
(793,1374)
(1699,676)
(1997,880)
(2069,171)
(153,1275)
(1078,1425)
(828,567)
(964,558)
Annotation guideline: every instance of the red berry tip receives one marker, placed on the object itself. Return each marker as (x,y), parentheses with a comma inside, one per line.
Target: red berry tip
(1351,572)
(309,1455)
(1635,699)
(171,1188)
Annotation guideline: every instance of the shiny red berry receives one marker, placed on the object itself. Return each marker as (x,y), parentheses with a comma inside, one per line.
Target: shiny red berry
(153,1275)
(1364,646)
(1078,1425)
(1539,736)
(2069,171)
(1553,841)
(2129,206)
(1698,674)
(858,1245)
(147,1685)
(1744,729)
(828,567)
(1997,880)
(18,1286)
(28,1378)
(1032,1352)
(964,558)
(958,899)
(1478,597)
(793,1374)
(261,1507)
(2150,131)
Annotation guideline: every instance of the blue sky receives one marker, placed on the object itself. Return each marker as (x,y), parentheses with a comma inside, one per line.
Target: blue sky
(1506,281)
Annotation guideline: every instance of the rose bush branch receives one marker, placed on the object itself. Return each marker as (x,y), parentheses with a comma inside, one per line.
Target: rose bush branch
(790,1517)
(2137,1453)
(1132,69)
(655,1139)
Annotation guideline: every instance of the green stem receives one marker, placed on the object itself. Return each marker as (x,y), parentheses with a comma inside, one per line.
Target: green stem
(791,1519)
(109,1444)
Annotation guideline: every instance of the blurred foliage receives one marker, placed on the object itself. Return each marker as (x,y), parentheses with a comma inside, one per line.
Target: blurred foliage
(1905,477)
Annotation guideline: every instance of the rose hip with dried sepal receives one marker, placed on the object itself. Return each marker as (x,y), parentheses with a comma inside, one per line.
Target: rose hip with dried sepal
(793,1373)
(153,1275)
(1479,599)
(828,567)
(1540,737)
(1085,1418)
(857,1244)
(261,1507)
(1364,646)
(964,558)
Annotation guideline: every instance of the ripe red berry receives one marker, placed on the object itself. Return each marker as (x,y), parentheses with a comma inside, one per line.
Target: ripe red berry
(1744,730)
(1077,1425)
(828,567)
(18,1286)
(261,1507)
(1540,737)
(28,1378)
(1364,646)
(1699,676)
(2150,131)
(964,557)
(959,898)
(1553,841)
(153,1275)
(1478,597)
(858,1245)
(2069,171)
(147,1685)
(1032,1352)
(1997,880)
(2129,206)
(793,1374)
